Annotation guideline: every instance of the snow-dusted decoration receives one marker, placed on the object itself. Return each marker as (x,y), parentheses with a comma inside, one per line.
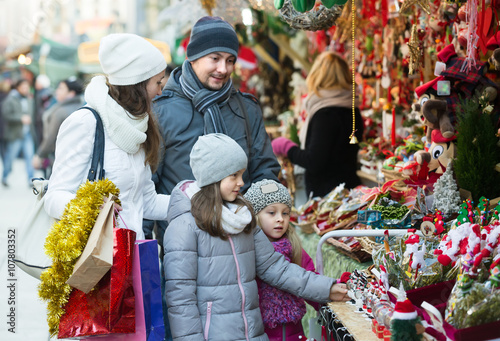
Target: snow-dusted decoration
(446,194)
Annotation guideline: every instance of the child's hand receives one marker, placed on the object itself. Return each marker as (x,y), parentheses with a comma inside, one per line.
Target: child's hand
(338,292)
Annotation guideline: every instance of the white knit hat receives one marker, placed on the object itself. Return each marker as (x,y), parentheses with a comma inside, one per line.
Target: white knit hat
(128,59)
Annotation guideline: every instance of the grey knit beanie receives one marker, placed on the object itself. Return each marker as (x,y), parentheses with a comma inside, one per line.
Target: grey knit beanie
(266,192)
(214,157)
(212,34)
(128,59)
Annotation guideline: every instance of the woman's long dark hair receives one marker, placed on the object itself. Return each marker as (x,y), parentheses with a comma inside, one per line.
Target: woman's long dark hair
(134,99)
(209,219)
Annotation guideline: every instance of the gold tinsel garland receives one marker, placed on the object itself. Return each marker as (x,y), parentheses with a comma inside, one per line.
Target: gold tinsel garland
(65,243)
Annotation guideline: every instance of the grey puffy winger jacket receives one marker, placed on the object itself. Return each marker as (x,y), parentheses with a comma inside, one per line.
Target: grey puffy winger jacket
(210,287)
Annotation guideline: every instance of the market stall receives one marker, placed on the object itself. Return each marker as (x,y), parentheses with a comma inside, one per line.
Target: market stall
(426,83)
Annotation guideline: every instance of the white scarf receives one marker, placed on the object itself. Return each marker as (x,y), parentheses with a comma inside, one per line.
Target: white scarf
(328,98)
(126,131)
(234,218)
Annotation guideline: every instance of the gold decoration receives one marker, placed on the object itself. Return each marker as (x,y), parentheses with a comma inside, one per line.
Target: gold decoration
(414,47)
(208,5)
(353,139)
(65,243)
(424,5)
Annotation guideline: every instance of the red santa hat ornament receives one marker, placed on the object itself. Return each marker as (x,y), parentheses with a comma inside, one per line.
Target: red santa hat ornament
(246,58)
(404,310)
(413,239)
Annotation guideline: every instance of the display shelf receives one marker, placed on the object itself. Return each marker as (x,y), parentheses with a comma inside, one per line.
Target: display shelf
(335,263)
(357,325)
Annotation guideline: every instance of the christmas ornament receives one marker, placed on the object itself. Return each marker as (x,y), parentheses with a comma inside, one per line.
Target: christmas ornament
(319,18)
(446,194)
(423,4)
(404,319)
(414,49)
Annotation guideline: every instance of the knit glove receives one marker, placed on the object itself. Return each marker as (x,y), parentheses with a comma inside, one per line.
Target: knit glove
(282,145)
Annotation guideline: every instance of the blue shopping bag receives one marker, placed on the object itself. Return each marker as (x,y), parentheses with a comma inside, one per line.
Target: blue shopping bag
(147,252)
(149,325)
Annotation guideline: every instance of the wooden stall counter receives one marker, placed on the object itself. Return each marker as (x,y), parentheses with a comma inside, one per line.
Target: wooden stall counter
(355,323)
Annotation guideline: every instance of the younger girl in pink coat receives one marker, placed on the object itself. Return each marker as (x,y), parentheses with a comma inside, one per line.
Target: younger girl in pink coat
(281,311)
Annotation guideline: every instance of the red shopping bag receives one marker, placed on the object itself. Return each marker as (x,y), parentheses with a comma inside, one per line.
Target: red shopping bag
(149,325)
(110,307)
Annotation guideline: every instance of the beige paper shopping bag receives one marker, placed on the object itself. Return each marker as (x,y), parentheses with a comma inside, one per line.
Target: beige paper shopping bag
(97,257)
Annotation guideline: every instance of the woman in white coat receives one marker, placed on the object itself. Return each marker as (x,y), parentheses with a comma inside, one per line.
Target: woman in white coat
(134,70)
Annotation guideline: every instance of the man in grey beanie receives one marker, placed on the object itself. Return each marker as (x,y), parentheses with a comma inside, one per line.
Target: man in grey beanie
(199,98)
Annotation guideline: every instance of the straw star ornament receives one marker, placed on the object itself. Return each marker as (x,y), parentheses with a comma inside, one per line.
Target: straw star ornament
(424,5)
(414,46)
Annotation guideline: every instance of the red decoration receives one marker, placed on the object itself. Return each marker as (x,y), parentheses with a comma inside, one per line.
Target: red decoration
(110,308)
(393,130)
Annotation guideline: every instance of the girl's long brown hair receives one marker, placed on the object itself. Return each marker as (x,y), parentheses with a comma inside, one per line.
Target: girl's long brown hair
(134,99)
(209,219)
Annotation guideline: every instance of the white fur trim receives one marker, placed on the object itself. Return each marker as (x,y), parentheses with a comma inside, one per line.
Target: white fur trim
(404,316)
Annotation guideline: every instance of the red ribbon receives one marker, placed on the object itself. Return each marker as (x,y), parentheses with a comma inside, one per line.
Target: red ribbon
(385,12)
(393,131)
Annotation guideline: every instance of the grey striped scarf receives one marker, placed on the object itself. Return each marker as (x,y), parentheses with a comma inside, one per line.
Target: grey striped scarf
(205,101)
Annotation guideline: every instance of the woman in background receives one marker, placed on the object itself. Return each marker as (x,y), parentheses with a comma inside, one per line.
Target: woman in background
(325,153)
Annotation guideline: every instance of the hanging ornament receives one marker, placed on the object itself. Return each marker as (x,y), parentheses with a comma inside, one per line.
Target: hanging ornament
(414,47)
(424,5)
(472,37)
(353,139)
(317,18)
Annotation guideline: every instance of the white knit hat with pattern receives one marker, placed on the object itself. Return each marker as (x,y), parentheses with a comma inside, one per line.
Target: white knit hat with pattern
(267,192)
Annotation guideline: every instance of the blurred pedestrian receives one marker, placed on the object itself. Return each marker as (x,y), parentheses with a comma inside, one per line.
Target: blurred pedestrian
(68,97)
(4,91)
(44,99)
(17,114)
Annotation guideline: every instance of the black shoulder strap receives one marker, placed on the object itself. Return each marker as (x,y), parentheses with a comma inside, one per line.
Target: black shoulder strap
(98,153)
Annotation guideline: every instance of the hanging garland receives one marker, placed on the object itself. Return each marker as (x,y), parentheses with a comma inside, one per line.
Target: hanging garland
(317,18)
(65,243)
